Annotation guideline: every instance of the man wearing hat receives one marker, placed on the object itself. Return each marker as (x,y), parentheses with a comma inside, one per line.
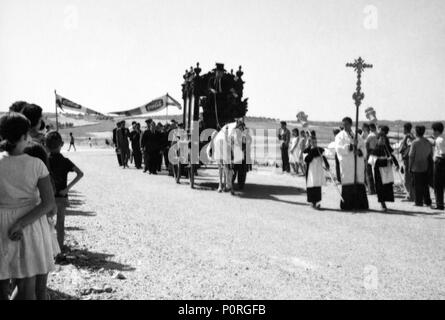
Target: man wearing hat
(135,137)
(122,143)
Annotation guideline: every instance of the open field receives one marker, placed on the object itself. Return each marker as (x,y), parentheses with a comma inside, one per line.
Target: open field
(136,236)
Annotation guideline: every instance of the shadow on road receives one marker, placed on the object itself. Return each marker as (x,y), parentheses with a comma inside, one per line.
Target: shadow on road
(389,212)
(74,229)
(70,212)
(76,201)
(57,295)
(270,192)
(94,261)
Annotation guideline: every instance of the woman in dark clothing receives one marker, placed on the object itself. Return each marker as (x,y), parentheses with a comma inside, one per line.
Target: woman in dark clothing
(382,161)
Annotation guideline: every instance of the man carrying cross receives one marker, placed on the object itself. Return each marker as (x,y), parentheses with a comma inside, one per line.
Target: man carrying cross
(353,189)
(351,151)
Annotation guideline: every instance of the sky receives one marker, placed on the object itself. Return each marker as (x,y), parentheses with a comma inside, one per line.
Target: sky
(112,55)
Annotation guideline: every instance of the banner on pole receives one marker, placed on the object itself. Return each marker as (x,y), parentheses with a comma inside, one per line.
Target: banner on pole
(66,104)
(152,106)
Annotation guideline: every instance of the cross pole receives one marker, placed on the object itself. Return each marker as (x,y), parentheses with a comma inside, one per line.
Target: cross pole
(359,66)
(57,116)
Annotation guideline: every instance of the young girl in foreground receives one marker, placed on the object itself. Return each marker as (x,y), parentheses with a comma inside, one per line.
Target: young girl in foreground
(26,196)
(36,150)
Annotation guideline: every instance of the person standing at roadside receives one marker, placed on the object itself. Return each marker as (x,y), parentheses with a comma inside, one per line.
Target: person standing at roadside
(371,144)
(284,137)
(405,147)
(293,151)
(420,159)
(34,113)
(439,164)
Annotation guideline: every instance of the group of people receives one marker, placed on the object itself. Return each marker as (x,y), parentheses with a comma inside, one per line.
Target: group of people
(424,164)
(373,173)
(150,146)
(34,196)
(292,146)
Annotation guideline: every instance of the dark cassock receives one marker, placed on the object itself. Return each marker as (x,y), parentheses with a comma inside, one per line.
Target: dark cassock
(150,144)
(122,136)
(118,154)
(135,137)
(315,177)
(354,195)
(382,161)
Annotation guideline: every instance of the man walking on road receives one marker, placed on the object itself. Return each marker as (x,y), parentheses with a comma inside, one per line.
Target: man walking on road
(353,189)
(122,136)
(119,159)
(71,142)
(135,137)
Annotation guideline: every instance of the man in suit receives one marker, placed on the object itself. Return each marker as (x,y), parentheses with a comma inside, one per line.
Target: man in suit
(135,137)
(420,162)
(122,143)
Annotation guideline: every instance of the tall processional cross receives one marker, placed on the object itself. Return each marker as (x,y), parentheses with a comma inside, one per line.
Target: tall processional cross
(359,66)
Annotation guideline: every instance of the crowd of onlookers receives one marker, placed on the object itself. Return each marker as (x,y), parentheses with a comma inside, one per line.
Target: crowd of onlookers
(422,160)
(34,196)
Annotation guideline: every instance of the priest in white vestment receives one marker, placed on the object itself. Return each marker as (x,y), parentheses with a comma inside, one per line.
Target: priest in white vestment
(354,195)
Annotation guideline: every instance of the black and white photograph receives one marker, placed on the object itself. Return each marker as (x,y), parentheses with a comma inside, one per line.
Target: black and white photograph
(222,151)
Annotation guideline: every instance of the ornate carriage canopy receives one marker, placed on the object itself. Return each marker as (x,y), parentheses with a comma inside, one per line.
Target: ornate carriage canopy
(218,92)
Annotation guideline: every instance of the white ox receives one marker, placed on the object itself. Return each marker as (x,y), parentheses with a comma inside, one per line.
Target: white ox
(226,149)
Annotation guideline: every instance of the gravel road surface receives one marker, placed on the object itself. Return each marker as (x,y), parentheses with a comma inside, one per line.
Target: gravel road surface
(138,236)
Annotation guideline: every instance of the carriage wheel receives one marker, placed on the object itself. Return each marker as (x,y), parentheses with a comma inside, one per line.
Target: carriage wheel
(192,175)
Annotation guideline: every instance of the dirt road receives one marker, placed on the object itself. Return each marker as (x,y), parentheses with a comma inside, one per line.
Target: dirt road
(138,236)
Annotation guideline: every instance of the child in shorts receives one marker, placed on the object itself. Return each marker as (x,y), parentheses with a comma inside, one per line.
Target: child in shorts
(59,167)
